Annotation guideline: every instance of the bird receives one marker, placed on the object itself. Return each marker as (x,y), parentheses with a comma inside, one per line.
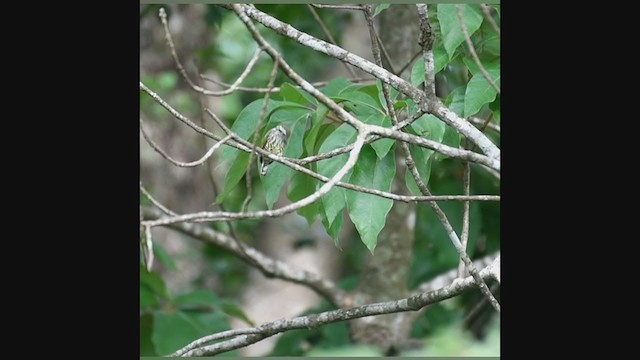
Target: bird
(275,142)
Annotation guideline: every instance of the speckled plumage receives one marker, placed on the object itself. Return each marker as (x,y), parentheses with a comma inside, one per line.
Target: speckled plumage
(275,142)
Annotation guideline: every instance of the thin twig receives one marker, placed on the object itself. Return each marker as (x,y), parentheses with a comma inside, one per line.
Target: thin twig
(149,248)
(464,257)
(179,163)
(156,202)
(217,336)
(277,89)
(370,139)
(245,146)
(256,136)
(485,124)
(472,50)
(266,330)
(327,33)
(343,7)
(225,216)
(487,13)
(349,186)
(232,88)
(413,58)
(464,234)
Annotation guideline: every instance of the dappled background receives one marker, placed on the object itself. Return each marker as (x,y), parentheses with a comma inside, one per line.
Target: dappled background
(212,42)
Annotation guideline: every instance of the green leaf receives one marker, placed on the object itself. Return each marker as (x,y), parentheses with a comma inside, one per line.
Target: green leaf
(379,9)
(440,61)
(278,173)
(146,329)
(246,123)
(147,298)
(382,146)
(369,212)
(336,86)
(173,330)
(377,91)
(440,57)
(417,72)
(293,94)
(451,138)
(479,92)
(359,102)
(312,135)
(429,127)
(334,228)
(334,200)
(422,158)
(161,254)
(495,108)
(153,282)
(201,297)
(300,186)
(236,312)
(234,174)
(450,26)
(455,100)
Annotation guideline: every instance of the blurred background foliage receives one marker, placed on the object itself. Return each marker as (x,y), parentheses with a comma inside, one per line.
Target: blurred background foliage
(178,305)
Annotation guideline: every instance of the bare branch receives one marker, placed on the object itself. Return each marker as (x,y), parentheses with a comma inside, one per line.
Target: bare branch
(148,254)
(483,123)
(487,13)
(245,146)
(343,7)
(176,114)
(370,139)
(472,50)
(322,178)
(434,106)
(156,202)
(408,63)
(266,330)
(225,216)
(179,163)
(426,40)
(217,336)
(486,263)
(267,265)
(277,89)
(232,88)
(464,234)
(327,33)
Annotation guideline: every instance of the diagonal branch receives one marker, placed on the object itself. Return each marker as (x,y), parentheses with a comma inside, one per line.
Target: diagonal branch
(327,33)
(487,13)
(179,163)
(277,89)
(413,303)
(245,146)
(225,216)
(268,266)
(433,106)
(472,50)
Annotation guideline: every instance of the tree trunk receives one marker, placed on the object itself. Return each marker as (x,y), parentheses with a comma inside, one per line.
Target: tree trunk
(385,276)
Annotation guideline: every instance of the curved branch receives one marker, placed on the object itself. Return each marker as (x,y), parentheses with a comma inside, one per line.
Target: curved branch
(267,265)
(179,163)
(232,88)
(434,106)
(266,330)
